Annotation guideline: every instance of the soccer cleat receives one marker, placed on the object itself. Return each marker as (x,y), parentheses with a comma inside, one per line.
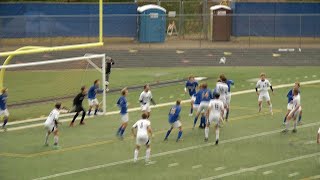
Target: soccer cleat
(165,139)
(284,131)
(190,114)
(217,141)
(82,123)
(294,131)
(206,139)
(300,123)
(271,113)
(71,124)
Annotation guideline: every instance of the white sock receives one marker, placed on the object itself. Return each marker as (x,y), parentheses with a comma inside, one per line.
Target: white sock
(56,140)
(287,125)
(217,134)
(270,107)
(47,136)
(206,132)
(148,152)
(136,153)
(295,125)
(225,114)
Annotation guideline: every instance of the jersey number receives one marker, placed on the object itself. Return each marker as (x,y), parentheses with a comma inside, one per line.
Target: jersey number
(141,125)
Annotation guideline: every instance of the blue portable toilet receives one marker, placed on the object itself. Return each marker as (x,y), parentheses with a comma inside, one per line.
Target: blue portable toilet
(151,23)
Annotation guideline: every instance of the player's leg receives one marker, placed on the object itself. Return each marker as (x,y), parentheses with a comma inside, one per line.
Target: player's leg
(148,151)
(267,97)
(300,117)
(289,108)
(168,133)
(191,108)
(124,124)
(260,103)
(56,138)
(179,125)
(228,100)
(5,119)
(136,153)
(83,116)
(90,101)
(289,117)
(295,120)
(217,129)
(76,109)
(96,107)
(203,120)
(206,130)
(48,132)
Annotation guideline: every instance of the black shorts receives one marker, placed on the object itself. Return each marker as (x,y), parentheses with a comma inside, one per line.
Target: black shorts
(78,109)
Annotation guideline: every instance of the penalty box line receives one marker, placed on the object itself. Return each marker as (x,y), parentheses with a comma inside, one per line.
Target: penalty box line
(173,152)
(157,106)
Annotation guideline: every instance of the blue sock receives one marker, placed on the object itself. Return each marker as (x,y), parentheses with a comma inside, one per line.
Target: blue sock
(168,133)
(122,131)
(300,116)
(285,119)
(195,121)
(95,112)
(5,122)
(203,121)
(179,135)
(119,130)
(227,114)
(191,110)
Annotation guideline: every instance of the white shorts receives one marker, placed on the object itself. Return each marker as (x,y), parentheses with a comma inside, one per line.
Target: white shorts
(192,98)
(203,106)
(176,124)
(195,107)
(214,118)
(264,96)
(146,108)
(124,117)
(93,102)
(50,127)
(290,106)
(4,112)
(142,140)
(228,99)
(224,100)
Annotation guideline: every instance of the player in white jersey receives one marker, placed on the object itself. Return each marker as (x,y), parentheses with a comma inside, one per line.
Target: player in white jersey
(145,99)
(222,89)
(262,91)
(215,112)
(294,112)
(51,125)
(142,131)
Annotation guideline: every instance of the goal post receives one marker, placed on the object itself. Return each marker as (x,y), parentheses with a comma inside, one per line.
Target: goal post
(35,85)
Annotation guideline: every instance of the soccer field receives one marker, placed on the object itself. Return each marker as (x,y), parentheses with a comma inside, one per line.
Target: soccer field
(251,145)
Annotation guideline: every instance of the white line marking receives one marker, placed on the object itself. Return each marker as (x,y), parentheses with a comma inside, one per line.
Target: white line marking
(171,152)
(315,177)
(138,108)
(254,168)
(293,174)
(173,164)
(197,166)
(310,142)
(220,168)
(151,163)
(267,172)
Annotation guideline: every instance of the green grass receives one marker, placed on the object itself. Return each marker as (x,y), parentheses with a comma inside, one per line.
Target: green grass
(29,85)
(23,157)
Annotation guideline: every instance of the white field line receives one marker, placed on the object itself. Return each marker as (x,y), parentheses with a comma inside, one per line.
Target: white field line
(138,108)
(293,174)
(254,168)
(197,166)
(171,152)
(220,168)
(267,172)
(173,164)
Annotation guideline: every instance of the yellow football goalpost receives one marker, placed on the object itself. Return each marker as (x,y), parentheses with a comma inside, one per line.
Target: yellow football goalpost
(43,49)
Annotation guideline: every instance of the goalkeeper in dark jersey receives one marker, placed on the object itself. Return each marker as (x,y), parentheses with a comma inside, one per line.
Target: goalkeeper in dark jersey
(77,106)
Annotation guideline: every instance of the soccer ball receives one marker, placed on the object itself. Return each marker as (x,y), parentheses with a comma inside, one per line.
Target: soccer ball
(222,60)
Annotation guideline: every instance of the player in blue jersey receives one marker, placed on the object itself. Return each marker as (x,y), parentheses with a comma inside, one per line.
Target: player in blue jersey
(290,104)
(206,96)
(3,107)
(196,103)
(92,96)
(191,87)
(174,120)
(123,105)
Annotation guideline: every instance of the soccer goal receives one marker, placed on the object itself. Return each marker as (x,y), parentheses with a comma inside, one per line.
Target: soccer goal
(34,87)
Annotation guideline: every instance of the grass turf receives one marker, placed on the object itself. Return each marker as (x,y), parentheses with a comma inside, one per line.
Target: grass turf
(29,85)
(96,144)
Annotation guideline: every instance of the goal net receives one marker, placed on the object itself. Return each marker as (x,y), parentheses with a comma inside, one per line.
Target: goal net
(34,87)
